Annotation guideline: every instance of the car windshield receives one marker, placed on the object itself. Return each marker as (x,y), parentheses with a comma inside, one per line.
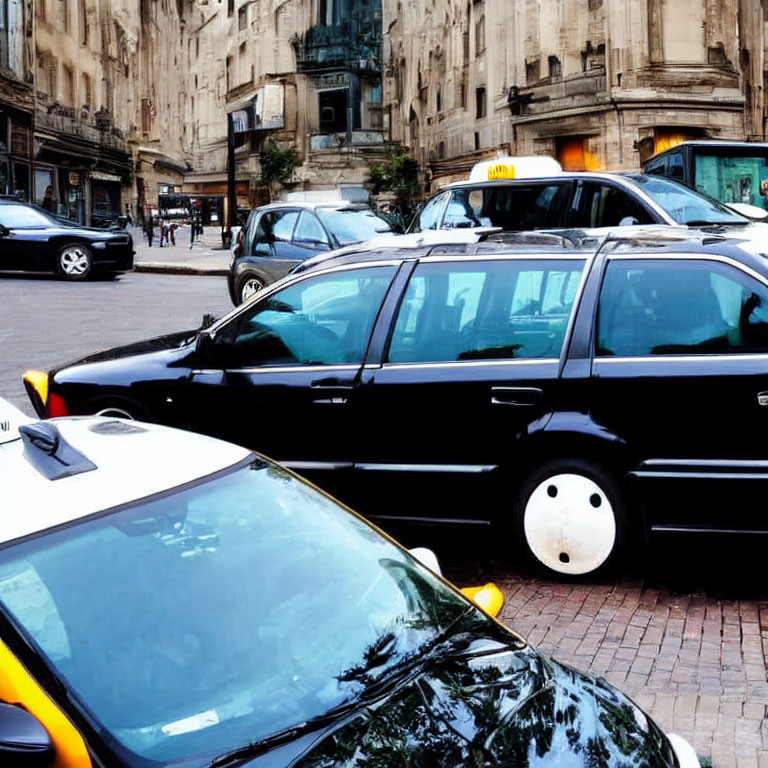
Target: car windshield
(23,216)
(352,225)
(218,615)
(684,205)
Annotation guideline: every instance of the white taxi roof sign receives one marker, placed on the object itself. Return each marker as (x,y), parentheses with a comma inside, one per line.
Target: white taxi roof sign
(11,418)
(501,168)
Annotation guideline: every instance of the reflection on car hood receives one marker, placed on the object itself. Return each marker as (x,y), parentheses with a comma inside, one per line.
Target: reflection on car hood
(752,237)
(172,341)
(508,707)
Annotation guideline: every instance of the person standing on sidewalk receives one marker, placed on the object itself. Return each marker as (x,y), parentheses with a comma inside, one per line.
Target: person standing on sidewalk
(148,227)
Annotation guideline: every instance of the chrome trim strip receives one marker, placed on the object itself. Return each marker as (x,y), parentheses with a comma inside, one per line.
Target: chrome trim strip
(456,468)
(756,463)
(431,520)
(693,529)
(701,475)
(452,258)
(309,465)
(206,371)
(292,368)
(473,363)
(680,358)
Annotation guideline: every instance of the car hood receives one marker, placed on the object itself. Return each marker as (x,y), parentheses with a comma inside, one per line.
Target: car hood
(752,237)
(508,707)
(171,344)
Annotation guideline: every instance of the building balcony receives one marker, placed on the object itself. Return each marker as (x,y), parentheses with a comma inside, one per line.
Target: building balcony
(68,124)
(359,138)
(351,46)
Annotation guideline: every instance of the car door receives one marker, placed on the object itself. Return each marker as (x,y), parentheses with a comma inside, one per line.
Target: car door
(680,375)
(280,376)
(24,242)
(472,362)
(273,237)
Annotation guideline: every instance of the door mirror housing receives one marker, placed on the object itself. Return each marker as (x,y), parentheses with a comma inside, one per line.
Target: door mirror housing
(24,742)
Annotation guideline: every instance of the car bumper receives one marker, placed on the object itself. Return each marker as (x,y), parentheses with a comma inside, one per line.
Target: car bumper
(684,752)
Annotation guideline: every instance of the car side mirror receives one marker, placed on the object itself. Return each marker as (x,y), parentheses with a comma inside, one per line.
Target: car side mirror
(427,558)
(628,221)
(24,742)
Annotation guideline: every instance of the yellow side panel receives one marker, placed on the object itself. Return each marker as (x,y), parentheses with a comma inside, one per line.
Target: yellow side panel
(18,687)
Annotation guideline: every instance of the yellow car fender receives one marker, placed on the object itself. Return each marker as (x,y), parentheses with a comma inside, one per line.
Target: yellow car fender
(18,687)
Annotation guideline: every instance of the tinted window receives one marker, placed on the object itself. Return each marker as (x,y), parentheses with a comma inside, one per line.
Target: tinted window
(21,216)
(680,307)
(734,178)
(533,206)
(602,205)
(352,225)
(675,167)
(309,230)
(322,320)
(485,311)
(430,213)
(272,227)
(656,167)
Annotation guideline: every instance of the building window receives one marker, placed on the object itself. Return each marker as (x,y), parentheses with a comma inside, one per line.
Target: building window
(82,18)
(555,67)
(230,7)
(41,9)
(229,73)
(333,110)
(146,117)
(65,11)
(69,86)
(242,17)
(480,35)
(326,13)
(532,70)
(480,103)
(438,100)
(85,91)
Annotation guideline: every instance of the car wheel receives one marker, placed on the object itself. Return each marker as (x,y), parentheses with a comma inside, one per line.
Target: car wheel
(571,517)
(249,286)
(74,262)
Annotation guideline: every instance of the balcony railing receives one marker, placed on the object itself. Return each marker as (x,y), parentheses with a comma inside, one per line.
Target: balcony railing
(351,45)
(66,121)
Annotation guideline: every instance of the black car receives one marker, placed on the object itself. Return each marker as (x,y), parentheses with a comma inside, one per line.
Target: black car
(575,398)
(32,240)
(278,236)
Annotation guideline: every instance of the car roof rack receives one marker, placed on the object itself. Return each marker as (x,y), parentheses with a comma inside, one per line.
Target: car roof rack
(50,454)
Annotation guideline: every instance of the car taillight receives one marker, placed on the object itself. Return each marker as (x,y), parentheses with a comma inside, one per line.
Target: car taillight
(56,406)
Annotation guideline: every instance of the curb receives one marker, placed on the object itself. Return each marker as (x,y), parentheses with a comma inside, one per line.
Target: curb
(177,269)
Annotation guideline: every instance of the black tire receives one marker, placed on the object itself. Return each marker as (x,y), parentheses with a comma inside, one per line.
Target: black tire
(74,261)
(248,285)
(571,518)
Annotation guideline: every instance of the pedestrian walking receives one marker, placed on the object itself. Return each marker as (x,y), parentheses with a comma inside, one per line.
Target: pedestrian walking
(148,228)
(172,232)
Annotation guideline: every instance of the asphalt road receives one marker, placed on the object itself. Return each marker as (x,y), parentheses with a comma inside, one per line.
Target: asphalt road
(683,630)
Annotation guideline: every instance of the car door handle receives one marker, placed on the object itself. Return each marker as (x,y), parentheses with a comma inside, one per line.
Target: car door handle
(525,396)
(331,382)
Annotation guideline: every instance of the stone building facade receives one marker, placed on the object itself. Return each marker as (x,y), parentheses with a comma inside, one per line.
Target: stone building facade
(595,83)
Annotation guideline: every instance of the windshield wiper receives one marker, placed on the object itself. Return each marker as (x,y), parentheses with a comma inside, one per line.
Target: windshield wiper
(410,667)
(707,223)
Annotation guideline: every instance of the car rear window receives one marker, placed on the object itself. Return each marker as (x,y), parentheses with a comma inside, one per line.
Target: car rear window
(352,225)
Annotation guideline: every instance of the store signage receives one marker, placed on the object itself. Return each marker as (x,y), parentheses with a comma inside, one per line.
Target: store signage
(74,179)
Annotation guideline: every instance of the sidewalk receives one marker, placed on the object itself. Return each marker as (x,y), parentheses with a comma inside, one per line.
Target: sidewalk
(205,257)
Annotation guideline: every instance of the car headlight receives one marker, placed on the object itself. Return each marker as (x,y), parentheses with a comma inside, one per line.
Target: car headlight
(99,244)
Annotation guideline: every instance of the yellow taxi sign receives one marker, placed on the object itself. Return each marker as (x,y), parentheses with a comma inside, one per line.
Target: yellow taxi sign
(502,168)
(501,171)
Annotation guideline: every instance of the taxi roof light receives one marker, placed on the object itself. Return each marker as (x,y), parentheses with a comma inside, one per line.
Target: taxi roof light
(532,167)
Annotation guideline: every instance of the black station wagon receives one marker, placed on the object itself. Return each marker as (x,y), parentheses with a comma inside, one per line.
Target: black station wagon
(576,396)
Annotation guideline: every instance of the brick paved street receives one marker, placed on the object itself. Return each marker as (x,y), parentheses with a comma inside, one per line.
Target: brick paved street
(686,637)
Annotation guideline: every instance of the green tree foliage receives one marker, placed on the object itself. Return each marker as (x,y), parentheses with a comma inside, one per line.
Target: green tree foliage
(277,166)
(399,174)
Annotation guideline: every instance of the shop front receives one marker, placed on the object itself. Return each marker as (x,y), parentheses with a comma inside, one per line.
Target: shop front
(15,154)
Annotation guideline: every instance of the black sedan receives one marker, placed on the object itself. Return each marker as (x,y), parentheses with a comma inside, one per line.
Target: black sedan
(32,240)
(576,399)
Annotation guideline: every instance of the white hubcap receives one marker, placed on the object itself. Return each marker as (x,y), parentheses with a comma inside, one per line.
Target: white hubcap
(251,287)
(74,261)
(569,524)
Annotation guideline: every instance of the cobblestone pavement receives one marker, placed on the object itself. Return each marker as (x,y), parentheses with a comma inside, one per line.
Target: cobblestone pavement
(686,638)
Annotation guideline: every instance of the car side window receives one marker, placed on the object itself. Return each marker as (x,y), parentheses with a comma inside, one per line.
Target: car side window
(322,320)
(656,168)
(680,307)
(675,166)
(273,226)
(516,207)
(485,310)
(429,218)
(309,230)
(608,206)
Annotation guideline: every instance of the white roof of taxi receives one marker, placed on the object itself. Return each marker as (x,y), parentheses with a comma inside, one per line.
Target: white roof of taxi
(130,465)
